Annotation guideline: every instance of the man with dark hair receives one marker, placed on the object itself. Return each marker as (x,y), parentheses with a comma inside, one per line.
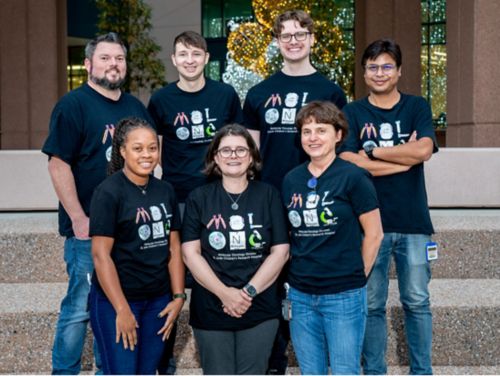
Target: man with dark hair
(79,148)
(270,109)
(391,135)
(188,113)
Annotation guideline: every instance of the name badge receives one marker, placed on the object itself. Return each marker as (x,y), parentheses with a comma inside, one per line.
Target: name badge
(431,251)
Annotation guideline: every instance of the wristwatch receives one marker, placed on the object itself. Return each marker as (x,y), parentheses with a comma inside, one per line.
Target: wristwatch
(250,290)
(180,296)
(369,151)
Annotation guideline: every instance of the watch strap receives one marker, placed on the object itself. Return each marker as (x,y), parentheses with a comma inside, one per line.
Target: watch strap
(180,296)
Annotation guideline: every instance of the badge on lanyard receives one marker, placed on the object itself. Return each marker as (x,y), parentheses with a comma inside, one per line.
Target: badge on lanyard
(431,251)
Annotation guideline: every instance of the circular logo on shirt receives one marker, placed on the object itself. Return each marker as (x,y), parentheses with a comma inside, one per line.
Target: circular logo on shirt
(294,218)
(196,117)
(144,232)
(369,142)
(386,131)
(217,240)
(155,212)
(272,116)
(236,222)
(291,99)
(182,133)
(108,153)
(210,130)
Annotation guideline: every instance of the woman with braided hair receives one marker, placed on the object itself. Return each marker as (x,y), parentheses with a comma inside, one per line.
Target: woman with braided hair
(134,225)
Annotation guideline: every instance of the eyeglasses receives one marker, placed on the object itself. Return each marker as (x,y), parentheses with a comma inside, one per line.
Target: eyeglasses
(386,68)
(227,152)
(299,36)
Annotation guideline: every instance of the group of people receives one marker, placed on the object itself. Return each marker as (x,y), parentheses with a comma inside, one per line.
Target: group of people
(285,213)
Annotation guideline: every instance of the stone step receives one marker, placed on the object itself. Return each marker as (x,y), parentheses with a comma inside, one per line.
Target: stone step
(465,312)
(31,251)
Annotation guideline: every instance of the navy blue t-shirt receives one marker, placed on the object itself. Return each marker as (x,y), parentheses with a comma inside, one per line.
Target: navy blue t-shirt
(82,125)
(234,243)
(140,225)
(325,230)
(188,122)
(271,107)
(402,196)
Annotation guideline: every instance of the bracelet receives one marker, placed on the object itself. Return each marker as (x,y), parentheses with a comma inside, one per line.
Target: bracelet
(180,296)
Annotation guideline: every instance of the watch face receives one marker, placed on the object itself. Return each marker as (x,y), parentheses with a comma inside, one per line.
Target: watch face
(251,290)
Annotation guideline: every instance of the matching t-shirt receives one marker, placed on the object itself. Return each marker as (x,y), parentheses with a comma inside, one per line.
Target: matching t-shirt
(326,235)
(82,125)
(188,122)
(271,108)
(234,243)
(140,225)
(402,197)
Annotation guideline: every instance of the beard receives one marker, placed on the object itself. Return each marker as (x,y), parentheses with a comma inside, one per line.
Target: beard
(105,83)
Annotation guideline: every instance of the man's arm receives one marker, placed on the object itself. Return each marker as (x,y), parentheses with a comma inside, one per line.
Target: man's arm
(376,168)
(409,154)
(65,187)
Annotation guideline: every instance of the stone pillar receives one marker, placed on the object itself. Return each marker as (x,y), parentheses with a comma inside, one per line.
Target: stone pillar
(32,69)
(396,19)
(473,93)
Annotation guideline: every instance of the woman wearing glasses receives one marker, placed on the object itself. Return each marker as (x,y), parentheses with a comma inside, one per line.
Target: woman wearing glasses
(235,242)
(335,235)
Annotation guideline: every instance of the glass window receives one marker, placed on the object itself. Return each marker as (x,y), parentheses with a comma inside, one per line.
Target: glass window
(433,58)
(77,74)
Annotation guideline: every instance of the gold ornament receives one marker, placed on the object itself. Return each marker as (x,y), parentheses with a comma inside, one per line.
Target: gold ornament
(266,11)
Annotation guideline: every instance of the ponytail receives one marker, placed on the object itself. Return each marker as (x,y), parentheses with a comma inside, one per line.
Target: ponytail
(123,128)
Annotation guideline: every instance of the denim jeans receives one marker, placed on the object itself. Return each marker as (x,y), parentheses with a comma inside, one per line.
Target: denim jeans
(328,327)
(73,319)
(414,273)
(115,359)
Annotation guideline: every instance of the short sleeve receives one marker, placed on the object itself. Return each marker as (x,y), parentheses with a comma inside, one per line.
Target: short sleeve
(423,121)
(236,112)
(351,142)
(279,229)
(65,137)
(339,98)
(176,219)
(103,213)
(362,193)
(250,114)
(155,116)
(191,225)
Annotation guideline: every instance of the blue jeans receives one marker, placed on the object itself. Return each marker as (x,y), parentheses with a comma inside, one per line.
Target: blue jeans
(328,327)
(72,323)
(414,273)
(146,356)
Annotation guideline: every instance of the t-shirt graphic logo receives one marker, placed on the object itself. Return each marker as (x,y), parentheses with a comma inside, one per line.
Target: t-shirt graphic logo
(311,218)
(158,230)
(291,100)
(144,232)
(182,118)
(370,131)
(288,116)
(327,218)
(294,218)
(236,222)
(295,200)
(108,131)
(142,214)
(236,240)
(274,99)
(323,200)
(255,240)
(155,213)
(196,117)
(312,200)
(386,132)
(197,131)
(210,130)
(217,220)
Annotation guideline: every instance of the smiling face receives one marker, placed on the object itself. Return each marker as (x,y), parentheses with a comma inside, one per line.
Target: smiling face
(140,153)
(108,66)
(189,61)
(233,166)
(295,51)
(383,81)
(319,139)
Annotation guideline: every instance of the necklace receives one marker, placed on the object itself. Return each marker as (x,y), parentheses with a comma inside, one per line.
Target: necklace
(234,204)
(143,188)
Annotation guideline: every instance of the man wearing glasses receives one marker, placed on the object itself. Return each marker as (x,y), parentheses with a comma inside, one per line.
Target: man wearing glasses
(269,111)
(391,135)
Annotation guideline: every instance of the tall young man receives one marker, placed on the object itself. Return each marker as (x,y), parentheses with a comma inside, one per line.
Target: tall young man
(79,148)
(188,113)
(270,109)
(391,135)
(271,106)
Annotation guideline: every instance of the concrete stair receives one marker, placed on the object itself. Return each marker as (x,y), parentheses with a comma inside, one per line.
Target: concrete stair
(465,296)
